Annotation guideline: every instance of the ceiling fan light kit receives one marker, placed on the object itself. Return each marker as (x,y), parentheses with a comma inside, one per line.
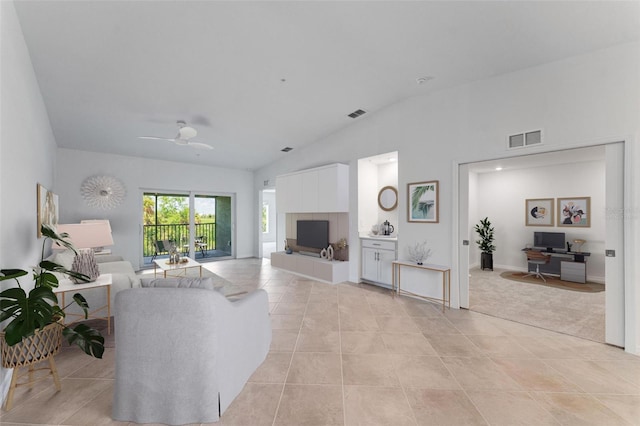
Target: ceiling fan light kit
(103,192)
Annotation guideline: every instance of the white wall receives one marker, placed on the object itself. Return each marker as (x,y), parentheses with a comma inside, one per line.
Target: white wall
(501,197)
(367,196)
(139,175)
(387,176)
(27,153)
(578,101)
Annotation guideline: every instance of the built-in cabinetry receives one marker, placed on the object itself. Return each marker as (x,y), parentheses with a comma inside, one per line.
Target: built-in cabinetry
(319,190)
(312,267)
(377,257)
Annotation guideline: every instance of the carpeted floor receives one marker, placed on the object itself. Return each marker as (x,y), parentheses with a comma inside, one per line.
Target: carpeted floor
(579,314)
(551,281)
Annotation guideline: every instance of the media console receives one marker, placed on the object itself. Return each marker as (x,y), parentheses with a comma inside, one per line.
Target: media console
(570,266)
(312,267)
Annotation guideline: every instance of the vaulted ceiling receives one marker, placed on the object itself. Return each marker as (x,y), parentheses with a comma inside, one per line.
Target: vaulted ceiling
(255,77)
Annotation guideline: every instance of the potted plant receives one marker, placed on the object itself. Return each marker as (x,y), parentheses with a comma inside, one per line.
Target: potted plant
(29,313)
(486,233)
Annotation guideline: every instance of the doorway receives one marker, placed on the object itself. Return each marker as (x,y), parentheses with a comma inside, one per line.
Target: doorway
(268,223)
(195,225)
(512,235)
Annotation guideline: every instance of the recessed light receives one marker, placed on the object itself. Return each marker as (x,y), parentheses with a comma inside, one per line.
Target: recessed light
(392,159)
(498,169)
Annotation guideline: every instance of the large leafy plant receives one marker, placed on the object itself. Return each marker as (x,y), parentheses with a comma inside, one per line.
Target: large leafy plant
(486,233)
(28,312)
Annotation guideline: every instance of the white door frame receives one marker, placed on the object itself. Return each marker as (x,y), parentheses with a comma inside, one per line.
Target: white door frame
(624,298)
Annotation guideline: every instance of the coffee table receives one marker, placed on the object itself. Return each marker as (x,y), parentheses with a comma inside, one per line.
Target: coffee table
(104,280)
(180,269)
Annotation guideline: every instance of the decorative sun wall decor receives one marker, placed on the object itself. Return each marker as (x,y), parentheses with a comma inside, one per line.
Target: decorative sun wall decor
(103,192)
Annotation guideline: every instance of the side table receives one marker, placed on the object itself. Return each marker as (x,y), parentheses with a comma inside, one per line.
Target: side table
(104,280)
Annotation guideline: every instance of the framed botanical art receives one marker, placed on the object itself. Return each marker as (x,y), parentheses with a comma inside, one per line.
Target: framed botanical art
(574,211)
(539,212)
(423,202)
(47,208)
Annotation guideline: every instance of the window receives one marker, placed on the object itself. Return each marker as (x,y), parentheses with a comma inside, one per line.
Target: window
(265,218)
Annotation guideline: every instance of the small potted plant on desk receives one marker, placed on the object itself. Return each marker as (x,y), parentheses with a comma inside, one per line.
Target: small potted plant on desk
(486,233)
(35,327)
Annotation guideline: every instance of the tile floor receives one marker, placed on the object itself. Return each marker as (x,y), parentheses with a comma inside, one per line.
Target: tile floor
(354,355)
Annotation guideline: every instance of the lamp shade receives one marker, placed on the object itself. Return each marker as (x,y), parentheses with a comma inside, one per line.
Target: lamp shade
(87,235)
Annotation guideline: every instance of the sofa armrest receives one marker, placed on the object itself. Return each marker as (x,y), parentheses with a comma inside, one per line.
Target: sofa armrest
(245,338)
(104,258)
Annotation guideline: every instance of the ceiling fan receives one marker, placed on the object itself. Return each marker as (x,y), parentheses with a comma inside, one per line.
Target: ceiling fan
(183,138)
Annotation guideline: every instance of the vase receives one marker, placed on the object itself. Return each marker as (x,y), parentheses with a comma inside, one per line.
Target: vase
(330,252)
(323,254)
(85,263)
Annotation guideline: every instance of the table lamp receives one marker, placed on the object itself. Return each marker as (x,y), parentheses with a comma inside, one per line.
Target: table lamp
(87,237)
(578,243)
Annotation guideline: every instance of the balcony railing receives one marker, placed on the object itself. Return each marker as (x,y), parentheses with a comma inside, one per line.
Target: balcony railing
(178,233)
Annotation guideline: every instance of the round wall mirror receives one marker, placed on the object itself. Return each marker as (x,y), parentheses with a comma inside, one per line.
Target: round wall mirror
(388,198)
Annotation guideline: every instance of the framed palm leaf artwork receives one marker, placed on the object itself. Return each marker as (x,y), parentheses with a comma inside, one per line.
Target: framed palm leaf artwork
(423,202)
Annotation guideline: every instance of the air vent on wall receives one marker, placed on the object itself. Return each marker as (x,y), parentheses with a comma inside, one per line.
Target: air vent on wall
(357,113)
(522,140)
(286,149)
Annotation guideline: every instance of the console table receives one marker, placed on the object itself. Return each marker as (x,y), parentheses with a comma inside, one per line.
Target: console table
(569,265)
(446,280)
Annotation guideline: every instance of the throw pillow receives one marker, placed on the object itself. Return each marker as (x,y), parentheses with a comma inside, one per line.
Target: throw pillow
(205,283)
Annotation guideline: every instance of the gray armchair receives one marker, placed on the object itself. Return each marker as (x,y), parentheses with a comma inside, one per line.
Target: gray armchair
(184,354)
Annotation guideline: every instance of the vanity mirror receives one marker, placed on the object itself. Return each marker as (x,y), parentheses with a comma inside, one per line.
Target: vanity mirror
(388,198)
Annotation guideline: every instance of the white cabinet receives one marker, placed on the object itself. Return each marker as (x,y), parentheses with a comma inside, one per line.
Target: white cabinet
(377,256)
(318,190)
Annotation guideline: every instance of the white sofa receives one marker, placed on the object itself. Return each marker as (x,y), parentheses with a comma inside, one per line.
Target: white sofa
(184,354)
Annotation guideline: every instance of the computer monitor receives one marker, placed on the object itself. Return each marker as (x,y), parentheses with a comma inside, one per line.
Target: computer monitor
(549,240)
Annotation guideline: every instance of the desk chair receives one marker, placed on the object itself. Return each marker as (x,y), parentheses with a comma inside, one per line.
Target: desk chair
(537,258)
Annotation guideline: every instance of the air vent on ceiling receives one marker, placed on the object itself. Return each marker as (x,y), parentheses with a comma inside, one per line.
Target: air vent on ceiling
(522,140)
(357,113)
(286,149)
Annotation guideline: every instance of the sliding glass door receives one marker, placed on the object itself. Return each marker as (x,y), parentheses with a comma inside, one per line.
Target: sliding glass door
(197,225)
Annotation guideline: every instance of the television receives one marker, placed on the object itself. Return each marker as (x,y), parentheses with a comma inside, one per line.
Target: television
(549,240)
(313,233)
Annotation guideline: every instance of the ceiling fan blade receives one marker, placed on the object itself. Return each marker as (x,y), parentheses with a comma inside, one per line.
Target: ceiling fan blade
(199,145)
(155,138)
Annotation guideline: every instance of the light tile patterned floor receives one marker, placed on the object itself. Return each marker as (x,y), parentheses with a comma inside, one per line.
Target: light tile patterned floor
(354,355)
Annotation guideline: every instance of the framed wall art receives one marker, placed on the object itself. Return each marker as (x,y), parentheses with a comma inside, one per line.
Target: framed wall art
(423,202)
(539,212)
(47,203)
(574,211)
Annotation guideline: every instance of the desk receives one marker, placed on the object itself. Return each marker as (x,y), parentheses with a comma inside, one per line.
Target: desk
(104,280)
(397,265)
(569,265)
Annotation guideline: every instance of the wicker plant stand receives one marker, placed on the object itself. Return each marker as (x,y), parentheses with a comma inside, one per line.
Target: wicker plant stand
(42,346)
